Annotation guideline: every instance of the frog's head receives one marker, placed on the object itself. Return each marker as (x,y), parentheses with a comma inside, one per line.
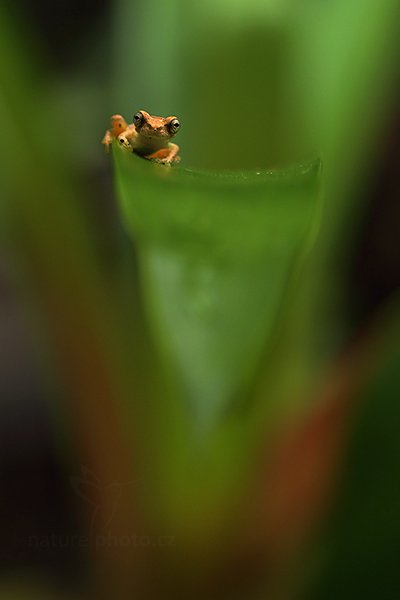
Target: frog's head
(155,127)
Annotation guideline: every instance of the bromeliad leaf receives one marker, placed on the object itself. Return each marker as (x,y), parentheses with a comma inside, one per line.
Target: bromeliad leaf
(216,252)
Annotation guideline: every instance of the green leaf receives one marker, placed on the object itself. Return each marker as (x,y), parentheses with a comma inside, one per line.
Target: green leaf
(216,251)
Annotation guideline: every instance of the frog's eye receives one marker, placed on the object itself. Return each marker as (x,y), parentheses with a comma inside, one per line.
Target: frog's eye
(174,125)
(138,119)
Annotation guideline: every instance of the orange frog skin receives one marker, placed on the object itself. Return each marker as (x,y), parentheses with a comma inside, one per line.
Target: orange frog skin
(147,136)
(118,125)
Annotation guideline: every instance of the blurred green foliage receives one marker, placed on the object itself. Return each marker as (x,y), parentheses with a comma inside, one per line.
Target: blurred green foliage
(360,543)
(224,318)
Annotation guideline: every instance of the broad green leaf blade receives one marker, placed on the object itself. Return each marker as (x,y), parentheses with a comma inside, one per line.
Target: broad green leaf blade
(216,254)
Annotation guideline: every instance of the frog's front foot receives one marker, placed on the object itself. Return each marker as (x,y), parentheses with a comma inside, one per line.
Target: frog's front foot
(124,142)
(165,156)
(167,160)
(162,161)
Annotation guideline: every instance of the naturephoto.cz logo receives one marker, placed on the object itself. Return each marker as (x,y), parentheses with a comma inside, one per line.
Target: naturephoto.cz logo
(90,489)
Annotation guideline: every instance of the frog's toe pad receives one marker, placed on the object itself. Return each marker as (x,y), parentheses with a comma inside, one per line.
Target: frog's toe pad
(162,161)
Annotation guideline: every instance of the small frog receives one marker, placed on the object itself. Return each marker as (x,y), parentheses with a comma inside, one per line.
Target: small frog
(148,136)
(118,125)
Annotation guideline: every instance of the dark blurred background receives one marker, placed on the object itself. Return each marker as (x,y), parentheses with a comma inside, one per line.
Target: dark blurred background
(37,498)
